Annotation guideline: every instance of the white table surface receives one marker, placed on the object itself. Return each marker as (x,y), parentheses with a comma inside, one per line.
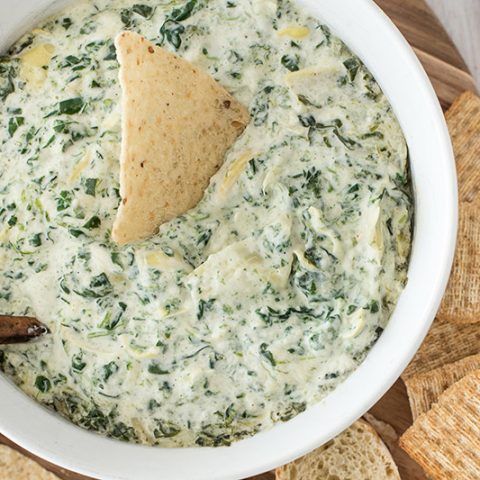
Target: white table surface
(461,19)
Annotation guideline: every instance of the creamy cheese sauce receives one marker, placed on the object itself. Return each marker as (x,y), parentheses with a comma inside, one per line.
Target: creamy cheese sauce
(252,306)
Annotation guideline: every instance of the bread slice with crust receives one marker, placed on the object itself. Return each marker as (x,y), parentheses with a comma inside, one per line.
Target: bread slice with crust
(356,454)
(15,466)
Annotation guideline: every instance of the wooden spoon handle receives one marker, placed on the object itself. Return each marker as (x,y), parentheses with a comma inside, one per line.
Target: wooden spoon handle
(20,329)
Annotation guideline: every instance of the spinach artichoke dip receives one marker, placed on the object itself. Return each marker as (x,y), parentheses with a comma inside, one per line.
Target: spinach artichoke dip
(252,306)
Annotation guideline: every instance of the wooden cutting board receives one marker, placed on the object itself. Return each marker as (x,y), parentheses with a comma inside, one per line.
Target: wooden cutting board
(450,77)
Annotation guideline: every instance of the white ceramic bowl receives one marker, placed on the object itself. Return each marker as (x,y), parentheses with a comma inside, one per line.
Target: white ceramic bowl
(372,36)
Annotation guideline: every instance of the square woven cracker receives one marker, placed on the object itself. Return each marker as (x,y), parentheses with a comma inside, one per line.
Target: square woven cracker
(461,303)
(463,119)
(425,389)
(445,343)
(446,440)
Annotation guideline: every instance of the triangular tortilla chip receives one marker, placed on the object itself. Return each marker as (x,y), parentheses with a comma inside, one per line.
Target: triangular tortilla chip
(177,124)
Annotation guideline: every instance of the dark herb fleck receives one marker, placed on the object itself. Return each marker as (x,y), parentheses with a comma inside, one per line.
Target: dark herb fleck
(14,123)
(165,430)
(172,29)
(374,307)
(36,240)
(204,306)
(155,369)
(78,364)
(71,106)
(43,384)
(67,23)
(291,62)
(64,200)
(93,223)
(267,354)
(353,66)
(108,370)
(90,186)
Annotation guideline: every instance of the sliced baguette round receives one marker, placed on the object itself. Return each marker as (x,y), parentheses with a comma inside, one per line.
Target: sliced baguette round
(356,454)
(15,466)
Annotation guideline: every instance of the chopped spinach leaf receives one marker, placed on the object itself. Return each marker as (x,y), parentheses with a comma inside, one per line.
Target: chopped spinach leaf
(204,306)
(155,369)
(306,101)
(291,62)
(267,354)
(143,10)
(71,106)
(112,319)
(64,200)
(112,52)
(172,29)
(78,364)
(165,430)
(36,240)
(67,23)
(14,123)
(93,223)
(374,307)
(91,186)
(43,384)
(75,232)
(108,370)
(182,13)
(353,66)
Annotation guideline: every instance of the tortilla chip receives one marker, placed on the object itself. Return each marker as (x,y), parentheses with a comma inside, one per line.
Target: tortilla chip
(15,466)
(446,440)
(177,125)
(445,343)
(461,303)
(425,389)
(463,120)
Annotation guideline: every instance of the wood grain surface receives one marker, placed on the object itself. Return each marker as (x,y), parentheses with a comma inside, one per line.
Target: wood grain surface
(450,78)
(461,19)
(442,61)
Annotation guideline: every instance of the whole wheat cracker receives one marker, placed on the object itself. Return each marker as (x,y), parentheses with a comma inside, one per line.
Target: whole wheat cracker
(425,389)
(444,344)
(463,119)
(15,466)
(445,441)
(461,303)
(356,454)
(177,124)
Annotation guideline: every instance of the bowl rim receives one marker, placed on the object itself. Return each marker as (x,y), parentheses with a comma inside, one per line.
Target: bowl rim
(372,36)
